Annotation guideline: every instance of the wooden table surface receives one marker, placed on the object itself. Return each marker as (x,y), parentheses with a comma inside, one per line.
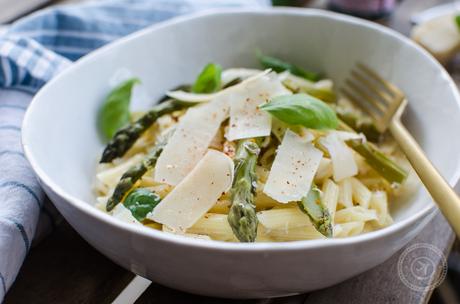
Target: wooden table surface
(65,269)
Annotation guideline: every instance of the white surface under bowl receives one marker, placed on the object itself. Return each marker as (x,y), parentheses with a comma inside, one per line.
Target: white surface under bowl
(61,142)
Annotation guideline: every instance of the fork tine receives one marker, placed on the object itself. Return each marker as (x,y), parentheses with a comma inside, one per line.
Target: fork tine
(387,85)
(361,92)
(360,103)
(382,96)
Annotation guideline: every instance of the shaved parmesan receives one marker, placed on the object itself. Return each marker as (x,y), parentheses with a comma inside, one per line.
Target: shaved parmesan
(190,141)
(197,193)
(246,119)
(343,162)
(293,169)
(231,74)
(122,213)
(195,132)
(190,97)
(249,75)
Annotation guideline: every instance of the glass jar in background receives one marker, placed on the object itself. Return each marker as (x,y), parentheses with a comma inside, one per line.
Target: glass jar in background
(368,9)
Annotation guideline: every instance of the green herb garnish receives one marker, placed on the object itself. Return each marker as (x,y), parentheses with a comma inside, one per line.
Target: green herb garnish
(279,65)
(209,80)
(114,113)
(457,21)
(140,202)
(302,109)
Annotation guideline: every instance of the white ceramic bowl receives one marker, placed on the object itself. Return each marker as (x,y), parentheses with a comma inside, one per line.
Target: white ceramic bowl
(61,142)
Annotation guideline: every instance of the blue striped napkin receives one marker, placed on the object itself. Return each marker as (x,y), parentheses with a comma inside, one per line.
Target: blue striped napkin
(32,51)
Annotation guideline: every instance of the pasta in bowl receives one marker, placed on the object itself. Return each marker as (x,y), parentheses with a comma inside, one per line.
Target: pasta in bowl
(251,156)
(62,143)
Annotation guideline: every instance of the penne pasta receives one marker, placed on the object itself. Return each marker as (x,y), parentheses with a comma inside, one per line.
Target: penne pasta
(330,197)
(348,229)
(285,219)
(345,193)
(324,170)
(295,234)
(379,203)
(263,236)
(222,206)
(215,226)
(264,201)
(153,225)
(355,213)
(361,195)
(262,174)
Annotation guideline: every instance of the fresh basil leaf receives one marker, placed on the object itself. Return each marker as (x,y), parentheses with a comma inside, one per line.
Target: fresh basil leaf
(279,65)
(302,109)
(209,80)
(457,21)
(114,113)
(140,202)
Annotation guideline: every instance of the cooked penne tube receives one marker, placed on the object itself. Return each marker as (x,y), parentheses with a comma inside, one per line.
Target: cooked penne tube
(330,197)
(379,203)
(355,213)
(264,201)
(295,234)
(345,193)
(215,226)
(324,170)
(361,195)
(348,229)
(222,206)
(286,218)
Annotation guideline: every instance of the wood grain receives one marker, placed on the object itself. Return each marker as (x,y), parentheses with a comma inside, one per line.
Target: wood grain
(65,269)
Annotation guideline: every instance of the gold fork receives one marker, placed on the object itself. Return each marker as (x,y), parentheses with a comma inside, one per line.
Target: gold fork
(385,103)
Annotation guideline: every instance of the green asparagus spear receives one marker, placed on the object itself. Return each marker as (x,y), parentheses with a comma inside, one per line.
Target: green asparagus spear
(387,168)
(242,215)
(383,165)
(313,205)
(365,127)
(125,138)
(130,177)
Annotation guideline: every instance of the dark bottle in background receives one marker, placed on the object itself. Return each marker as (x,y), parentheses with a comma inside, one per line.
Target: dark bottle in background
(368,9)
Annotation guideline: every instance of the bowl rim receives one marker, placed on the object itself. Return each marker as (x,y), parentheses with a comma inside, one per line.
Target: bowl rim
(90,210)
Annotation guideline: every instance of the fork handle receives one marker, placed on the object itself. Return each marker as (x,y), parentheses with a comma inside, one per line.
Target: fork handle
(440,191)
